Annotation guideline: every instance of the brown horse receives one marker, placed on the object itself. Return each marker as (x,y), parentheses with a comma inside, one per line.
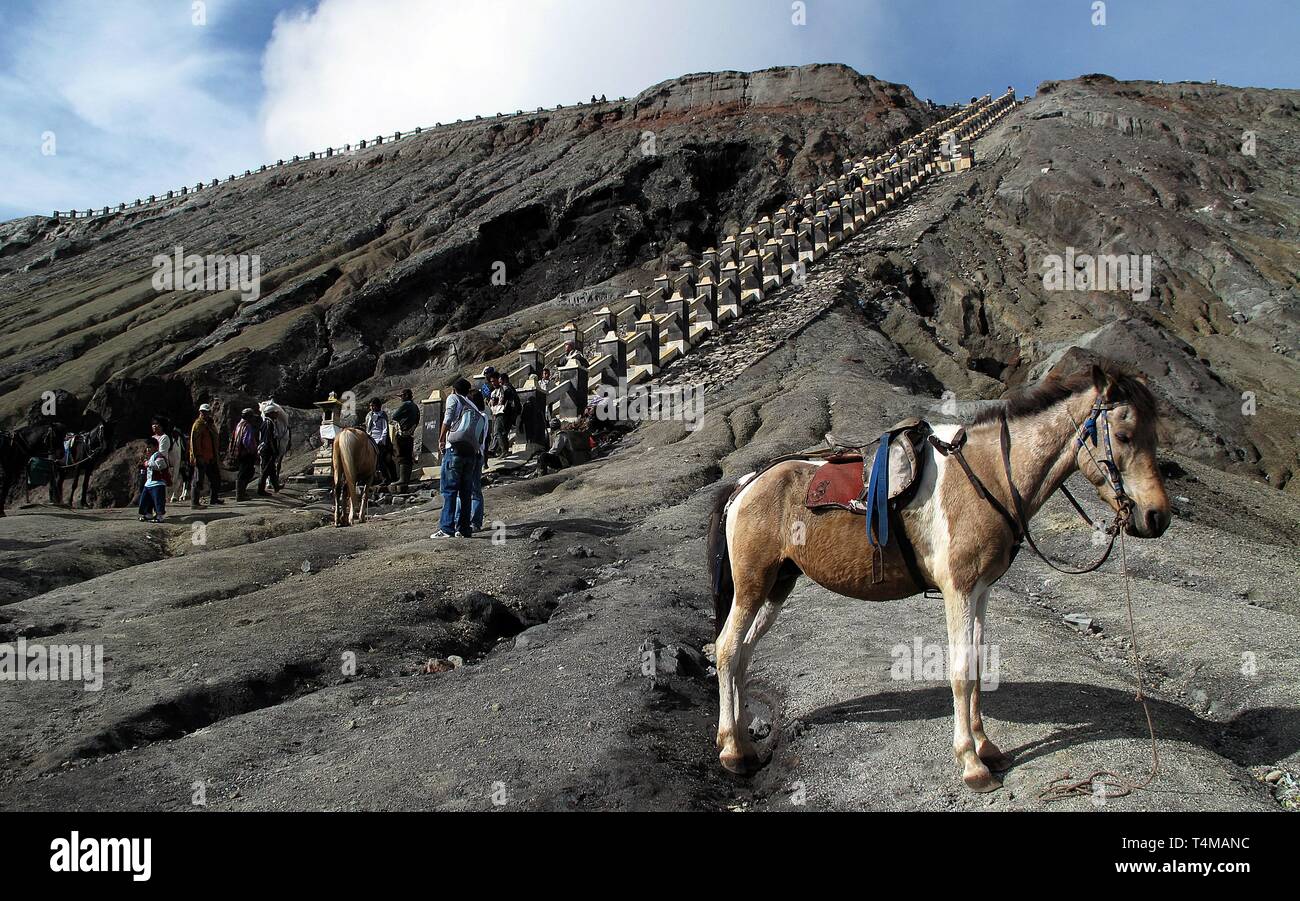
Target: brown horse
(962,529)
(355,460)
(82,454)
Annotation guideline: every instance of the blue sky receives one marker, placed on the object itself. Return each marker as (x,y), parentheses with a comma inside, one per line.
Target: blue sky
(104,102)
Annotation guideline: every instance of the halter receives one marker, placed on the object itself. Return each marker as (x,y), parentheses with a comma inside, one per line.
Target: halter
(1106,465)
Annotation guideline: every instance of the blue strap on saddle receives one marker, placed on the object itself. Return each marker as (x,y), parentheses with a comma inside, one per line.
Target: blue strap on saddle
(878,496)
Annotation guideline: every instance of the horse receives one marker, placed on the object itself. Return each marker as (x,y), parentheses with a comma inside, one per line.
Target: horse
(82,452)
(17,448)
(956,532)
(355,460)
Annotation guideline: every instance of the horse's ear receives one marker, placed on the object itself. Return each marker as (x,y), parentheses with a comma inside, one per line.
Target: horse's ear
(1101,381)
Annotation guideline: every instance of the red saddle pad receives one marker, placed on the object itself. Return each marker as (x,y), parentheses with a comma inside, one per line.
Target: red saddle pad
(837,483)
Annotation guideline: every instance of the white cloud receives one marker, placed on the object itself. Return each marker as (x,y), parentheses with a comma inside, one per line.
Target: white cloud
(141,100)
(356,68)
(137,97)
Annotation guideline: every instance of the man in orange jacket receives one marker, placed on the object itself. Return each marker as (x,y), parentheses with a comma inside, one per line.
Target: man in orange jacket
(203,457)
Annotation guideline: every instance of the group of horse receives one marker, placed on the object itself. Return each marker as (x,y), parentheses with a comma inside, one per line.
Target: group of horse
(58,455)
(47,450)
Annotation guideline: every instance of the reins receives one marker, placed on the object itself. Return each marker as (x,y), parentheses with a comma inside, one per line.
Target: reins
(1112,785)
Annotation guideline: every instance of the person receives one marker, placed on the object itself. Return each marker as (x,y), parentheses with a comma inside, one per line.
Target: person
(573,353)
(406,419)
(476,488)
(243,450)
(571,446)
(160,434)
(459,442)
(377,428)
(153,499)
(544,385)
(268,453)
(485,387)
(505,407)
(203,458)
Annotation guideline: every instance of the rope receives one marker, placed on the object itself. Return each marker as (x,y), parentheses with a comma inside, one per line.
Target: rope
(1113,785)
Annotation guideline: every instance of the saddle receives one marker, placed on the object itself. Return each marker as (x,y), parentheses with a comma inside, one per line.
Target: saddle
(844,480)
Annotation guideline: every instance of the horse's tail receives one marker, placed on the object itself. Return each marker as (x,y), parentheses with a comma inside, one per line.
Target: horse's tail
(344,455)
(720,559)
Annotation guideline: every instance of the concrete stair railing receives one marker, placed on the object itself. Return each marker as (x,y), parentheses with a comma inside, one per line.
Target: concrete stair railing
(632,345)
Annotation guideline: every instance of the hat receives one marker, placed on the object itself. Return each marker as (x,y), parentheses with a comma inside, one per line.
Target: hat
(205,408)
(490,370)
(247,411)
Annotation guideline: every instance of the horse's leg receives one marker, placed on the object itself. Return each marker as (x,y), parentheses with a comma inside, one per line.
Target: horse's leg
(733,648)
(959,609)
(85,485)
(365,499)
(338,502)
(984,749)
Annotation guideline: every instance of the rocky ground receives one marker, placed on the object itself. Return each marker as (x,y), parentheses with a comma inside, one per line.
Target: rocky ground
(581,617)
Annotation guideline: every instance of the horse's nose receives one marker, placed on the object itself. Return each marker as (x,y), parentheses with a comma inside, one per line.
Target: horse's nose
(1157,522)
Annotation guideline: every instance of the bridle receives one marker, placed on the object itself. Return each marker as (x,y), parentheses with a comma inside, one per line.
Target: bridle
(96,442)
(1097,422)
(1106,465)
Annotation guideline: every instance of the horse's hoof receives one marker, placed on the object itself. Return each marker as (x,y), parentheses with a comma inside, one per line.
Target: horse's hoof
(741,764)
(992,757)
(982,781)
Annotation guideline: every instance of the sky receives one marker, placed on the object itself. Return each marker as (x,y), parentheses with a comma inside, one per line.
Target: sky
(103,102)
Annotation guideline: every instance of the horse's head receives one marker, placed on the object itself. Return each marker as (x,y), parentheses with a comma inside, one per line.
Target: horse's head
(1116,449)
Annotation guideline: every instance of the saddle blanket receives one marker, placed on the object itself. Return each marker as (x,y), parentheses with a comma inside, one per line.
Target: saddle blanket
(839,482)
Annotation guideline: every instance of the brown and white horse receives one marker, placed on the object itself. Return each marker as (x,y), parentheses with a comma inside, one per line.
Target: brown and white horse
(762,537)
(355,459)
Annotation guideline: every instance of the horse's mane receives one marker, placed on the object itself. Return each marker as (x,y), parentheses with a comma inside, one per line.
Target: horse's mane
(1057,385)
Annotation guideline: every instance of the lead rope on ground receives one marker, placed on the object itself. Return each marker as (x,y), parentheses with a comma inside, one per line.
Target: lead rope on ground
(1112,784)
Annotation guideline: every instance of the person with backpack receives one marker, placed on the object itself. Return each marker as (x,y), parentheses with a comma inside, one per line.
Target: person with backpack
(243,450)
(268,454)
(460,441)
(157,476)
(476,490)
